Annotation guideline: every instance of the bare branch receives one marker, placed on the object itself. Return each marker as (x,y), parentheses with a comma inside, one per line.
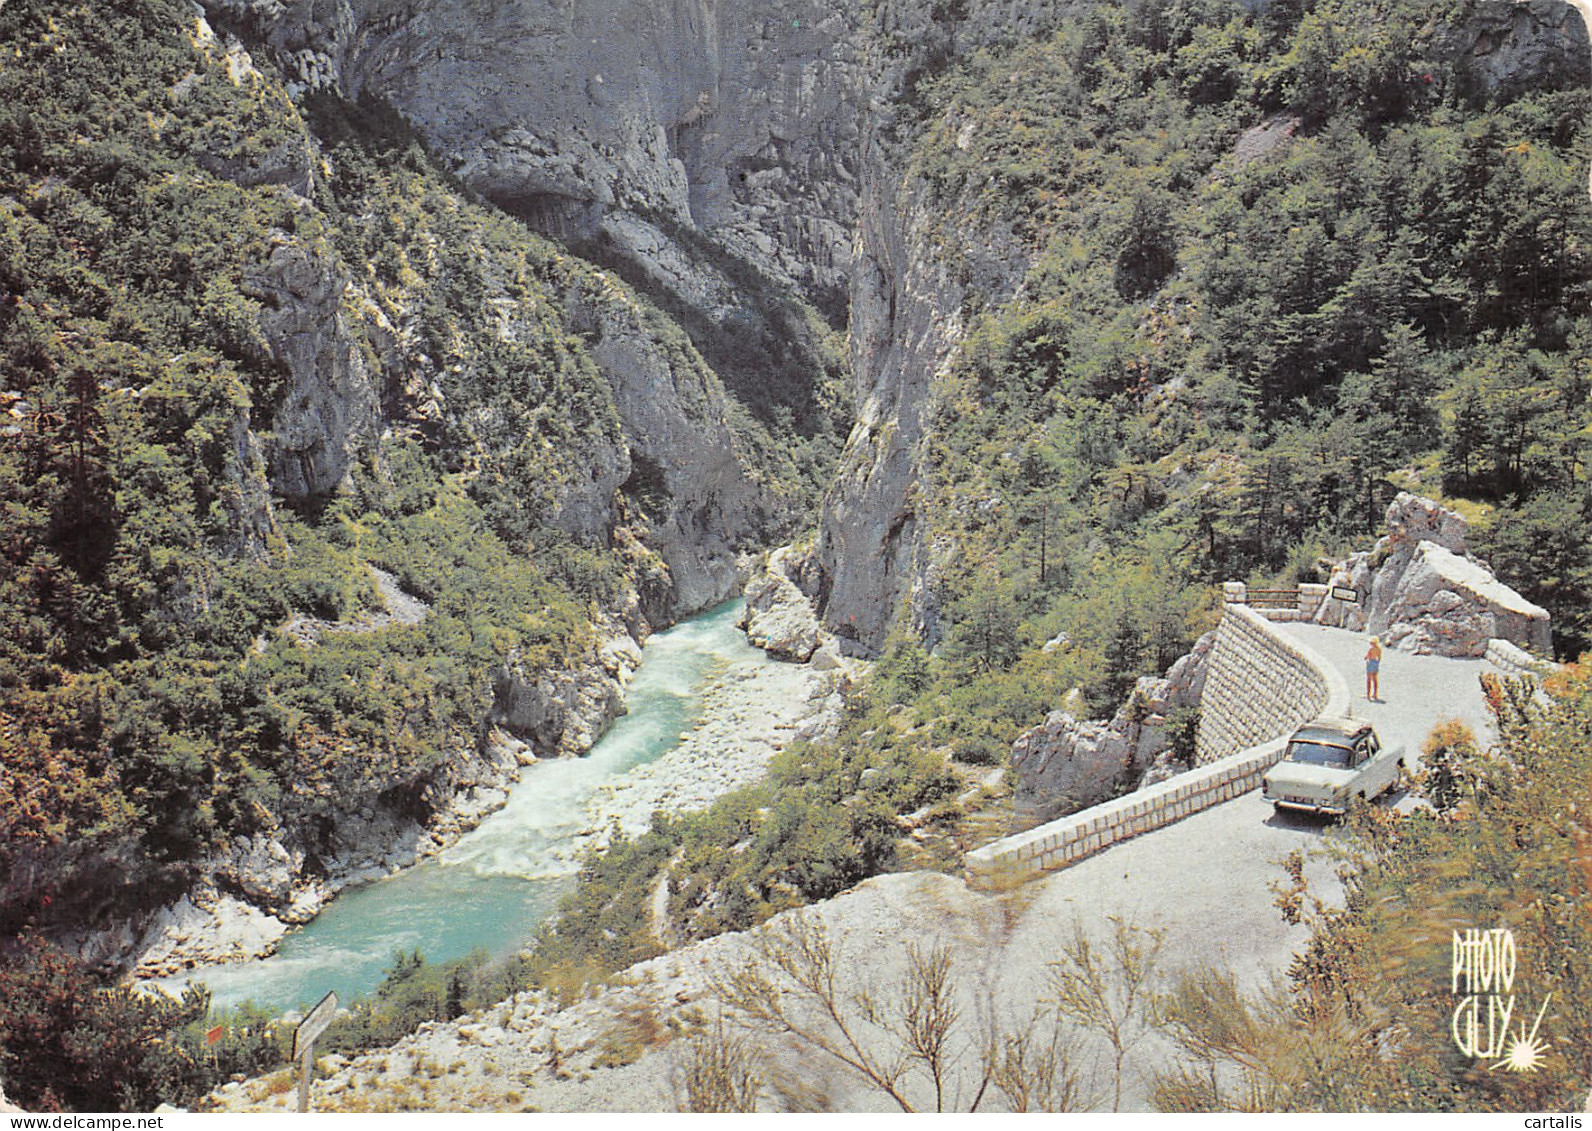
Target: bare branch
(721,1071)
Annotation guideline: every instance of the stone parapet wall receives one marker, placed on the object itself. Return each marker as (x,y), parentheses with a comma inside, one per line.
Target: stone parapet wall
(1257,681)
(1513,660)
(1306,600)
(1259,686)
(1014,859)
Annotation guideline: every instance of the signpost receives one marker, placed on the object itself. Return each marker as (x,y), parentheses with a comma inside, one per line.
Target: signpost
(1344,593)
(313,1025)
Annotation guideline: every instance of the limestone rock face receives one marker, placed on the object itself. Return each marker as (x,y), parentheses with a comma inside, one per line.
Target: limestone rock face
(206,928)
(1066,764)
(330,411)
(562,712)
(1185,679)
(619,121)
(778,617)
(1430,594)
(675,421)
(1411,520)
(1510,45)
(726,154)
(1452,606)
(261,868)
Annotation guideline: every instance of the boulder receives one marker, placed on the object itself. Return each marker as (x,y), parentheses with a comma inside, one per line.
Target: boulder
(261,868)
(778,617)
(1065,764)
(1451,606)
(1429,594)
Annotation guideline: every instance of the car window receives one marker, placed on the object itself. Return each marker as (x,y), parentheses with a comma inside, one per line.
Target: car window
(1318,754)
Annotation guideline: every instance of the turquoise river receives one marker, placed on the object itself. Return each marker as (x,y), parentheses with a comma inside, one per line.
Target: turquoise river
(492,888)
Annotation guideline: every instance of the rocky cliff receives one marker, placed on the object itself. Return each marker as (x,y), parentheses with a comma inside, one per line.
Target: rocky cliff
(746,161)
(354,350)
(740,162)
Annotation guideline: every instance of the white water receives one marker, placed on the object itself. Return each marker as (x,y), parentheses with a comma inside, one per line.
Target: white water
(491,889)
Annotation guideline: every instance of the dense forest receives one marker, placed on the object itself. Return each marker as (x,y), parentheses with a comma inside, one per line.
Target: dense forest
(1275,265)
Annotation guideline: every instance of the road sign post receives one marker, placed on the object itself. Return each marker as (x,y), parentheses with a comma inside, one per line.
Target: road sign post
(313,1025)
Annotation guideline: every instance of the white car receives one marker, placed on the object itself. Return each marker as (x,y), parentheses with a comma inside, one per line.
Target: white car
(1330,763)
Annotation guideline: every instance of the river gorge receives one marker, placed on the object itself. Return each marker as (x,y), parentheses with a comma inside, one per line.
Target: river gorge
(705,711)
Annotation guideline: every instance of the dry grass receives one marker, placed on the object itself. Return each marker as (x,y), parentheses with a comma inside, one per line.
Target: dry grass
(277,1084)
(637,1029)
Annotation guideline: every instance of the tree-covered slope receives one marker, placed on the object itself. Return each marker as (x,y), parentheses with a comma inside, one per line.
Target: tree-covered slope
(1273,267)
(250,347)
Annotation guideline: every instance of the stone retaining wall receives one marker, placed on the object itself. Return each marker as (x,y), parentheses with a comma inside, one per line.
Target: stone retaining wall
(1260,685)
(1261,680)
(1513,660)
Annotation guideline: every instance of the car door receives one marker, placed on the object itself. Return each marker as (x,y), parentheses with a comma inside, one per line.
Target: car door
(1378,767)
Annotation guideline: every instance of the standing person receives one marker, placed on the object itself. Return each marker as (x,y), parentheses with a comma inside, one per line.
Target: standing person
(1373,666)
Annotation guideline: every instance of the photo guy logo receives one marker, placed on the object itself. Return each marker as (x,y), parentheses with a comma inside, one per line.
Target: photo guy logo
(1483,970)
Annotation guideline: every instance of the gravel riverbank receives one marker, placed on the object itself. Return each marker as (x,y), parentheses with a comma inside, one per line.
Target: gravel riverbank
(748,716)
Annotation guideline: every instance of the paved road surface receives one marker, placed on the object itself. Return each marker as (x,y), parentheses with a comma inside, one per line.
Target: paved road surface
(1205,879)
(1418,692)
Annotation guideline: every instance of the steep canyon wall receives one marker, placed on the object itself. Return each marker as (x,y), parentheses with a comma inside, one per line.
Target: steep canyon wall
(745,161)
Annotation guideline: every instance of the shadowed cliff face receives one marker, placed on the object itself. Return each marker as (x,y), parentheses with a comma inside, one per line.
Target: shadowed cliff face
(617,121)
(742,162)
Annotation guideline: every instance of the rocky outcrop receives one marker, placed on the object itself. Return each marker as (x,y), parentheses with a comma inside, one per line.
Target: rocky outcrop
(679,444)
(1066,764)
(330,410)
(779,618)
(728,157)
(740,120)
(1511,46)
(1429,594)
